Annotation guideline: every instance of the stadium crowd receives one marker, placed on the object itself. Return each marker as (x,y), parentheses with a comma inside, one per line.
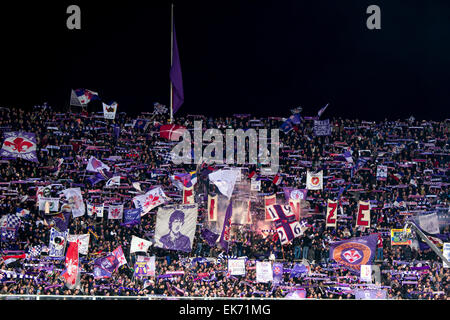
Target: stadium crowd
(416,152)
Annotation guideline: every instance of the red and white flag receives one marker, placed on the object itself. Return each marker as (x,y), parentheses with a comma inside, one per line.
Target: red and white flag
(188,195)
(269,201)
(363,214)
(212,207)
(118,252)
(150,200)
(314,181)
(72,271)
(331,213)
(171,132)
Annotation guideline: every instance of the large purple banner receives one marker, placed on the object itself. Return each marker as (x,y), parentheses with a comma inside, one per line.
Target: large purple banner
(354,252)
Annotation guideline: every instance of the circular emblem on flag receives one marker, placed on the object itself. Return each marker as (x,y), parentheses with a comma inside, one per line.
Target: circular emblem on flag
(352,254)
(315,181)
(296,194)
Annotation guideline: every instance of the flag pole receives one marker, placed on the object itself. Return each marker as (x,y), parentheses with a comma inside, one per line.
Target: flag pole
(171,63)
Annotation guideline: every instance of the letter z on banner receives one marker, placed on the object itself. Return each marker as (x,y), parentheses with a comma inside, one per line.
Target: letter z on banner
(363,215)
(332,213)
(285,223)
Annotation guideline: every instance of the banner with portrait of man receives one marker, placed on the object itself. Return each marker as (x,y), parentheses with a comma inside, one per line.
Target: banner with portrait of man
(175,227)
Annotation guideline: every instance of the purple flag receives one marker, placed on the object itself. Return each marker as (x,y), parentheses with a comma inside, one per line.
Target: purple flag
(226,231)
(175,76)
(131,217)
(19,145)
(209,236)
(354,252)
(370,294)
(291,193)
(278,272)
(104,267)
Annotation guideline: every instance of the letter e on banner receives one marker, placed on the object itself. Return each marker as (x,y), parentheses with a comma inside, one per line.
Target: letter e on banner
(363,216)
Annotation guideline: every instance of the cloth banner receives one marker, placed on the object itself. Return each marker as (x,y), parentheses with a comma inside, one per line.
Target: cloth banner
(95,210)
(175,227)
(322,128)
(397,238)
(105,266)
(331,213)
(139,245)
(71,273)
(131,217)
(82,241)
(370,294)
(109,111)
(57,243)
(269,201)
(382,172)
(150,200)
(48,204)
(188,195)
(286,225)
(366,273)
(264,272)
(95,165)
(144,266)
(314,181)
(277,272)
(236,267)
(429,223)
(19,145)
(363,214)
(118,252)
(354,252)
(212,207)
(75,199)
(224,180)
(115,212)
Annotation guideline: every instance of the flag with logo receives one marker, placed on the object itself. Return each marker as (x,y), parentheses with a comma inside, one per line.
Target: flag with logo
(60,221)
(20,145)
(115,211)
(363,214)
(209,236)
(322,110)
(75,200)
(35,251)
(57,243)
(105,266)
(71,273)
(278,271)
(286,225)
(314,181)
(139,245)
(175,227)
(145,266)
(109,111)
(82,240)
(150,200)
(95,210)
(118,252)
(354,252)
(48,205)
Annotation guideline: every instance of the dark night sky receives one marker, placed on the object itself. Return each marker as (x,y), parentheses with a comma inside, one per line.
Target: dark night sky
(260,57)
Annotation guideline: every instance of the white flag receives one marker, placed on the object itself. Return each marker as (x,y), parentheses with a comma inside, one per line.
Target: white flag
(113,182)
(95,165)
(224,180)
(139,245)
(109,111)
(264,271)
(75,199)
(95,210)
(150,200)
(314,181)
(115,211)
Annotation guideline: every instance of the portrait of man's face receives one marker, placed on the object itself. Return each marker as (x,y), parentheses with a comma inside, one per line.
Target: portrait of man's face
(176,225)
